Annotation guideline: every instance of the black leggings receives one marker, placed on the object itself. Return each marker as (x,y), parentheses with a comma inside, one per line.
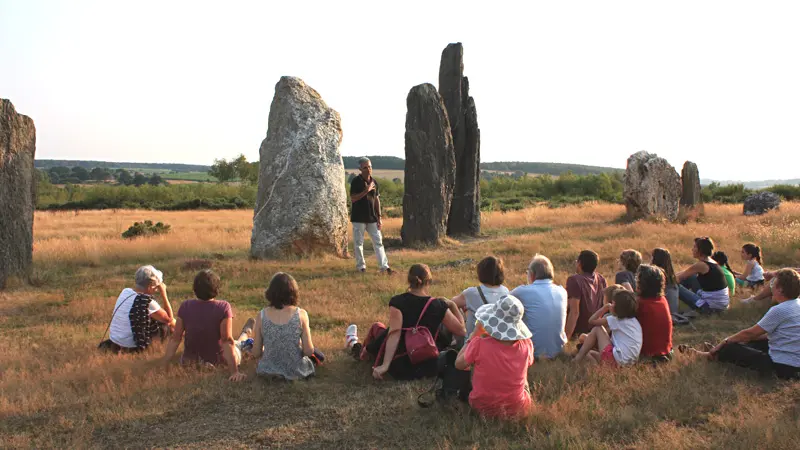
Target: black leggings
(755,355)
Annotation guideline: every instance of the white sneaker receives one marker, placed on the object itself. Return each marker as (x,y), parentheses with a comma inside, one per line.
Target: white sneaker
(749,300)
(351,336)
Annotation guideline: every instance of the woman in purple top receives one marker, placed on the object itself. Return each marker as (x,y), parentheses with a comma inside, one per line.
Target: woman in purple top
(206,323)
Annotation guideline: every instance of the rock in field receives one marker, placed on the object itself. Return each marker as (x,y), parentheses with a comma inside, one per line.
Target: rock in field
(17,192)
(760,203)
(301,207)
(429,170)
(652,187)
(465,211)
(690,181)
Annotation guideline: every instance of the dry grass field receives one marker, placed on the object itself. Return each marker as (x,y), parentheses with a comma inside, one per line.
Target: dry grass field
(56,390)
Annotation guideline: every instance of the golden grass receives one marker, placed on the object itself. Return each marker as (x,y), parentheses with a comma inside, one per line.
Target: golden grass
(57,391)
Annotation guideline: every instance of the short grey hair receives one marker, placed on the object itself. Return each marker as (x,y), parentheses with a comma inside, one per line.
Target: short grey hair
(147,276)
(541,268)
(362,161)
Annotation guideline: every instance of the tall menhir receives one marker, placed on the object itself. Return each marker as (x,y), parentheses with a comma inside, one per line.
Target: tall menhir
(17,192)
(465,211)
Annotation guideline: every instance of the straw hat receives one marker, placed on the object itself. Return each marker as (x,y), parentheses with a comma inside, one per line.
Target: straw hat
(503,319)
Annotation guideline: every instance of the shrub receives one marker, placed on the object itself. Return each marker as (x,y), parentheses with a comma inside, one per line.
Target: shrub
(146,228)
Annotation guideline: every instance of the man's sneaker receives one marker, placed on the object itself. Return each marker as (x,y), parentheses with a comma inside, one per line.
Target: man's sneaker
(351,336)
(362,270)
(749,300)
(246,345)
(247,329)
(691,314)
(388,271)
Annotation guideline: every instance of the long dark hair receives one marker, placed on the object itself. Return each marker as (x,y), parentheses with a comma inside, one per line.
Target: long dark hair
(753,250)
(722,259)
(662,258)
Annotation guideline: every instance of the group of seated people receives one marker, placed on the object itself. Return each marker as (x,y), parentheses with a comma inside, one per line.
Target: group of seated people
(498,333)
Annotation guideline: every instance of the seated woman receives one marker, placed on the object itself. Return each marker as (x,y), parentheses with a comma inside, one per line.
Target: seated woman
(622,347)
(499,352)
(663,259)
(706,276)
(772,346)
(387,345)
(206,323)
(282,337)
(722,259)
(491,275)
(653,314)
(137,317)
(629,261)
(753,274)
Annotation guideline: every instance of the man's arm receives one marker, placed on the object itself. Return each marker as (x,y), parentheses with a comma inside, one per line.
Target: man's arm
(174,341)
(573,310)
(356,197)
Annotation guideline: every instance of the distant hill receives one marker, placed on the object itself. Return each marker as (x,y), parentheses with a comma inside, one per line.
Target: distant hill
(48,163)
(753,184)
(395,163)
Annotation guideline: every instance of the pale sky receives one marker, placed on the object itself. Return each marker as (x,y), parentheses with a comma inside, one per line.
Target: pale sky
(715,82)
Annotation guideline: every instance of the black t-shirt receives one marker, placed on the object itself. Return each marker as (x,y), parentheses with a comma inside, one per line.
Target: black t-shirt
(364,209)
(713,280)
(411,306)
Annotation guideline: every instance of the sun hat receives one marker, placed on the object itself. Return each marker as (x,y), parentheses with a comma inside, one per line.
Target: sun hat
(502,320)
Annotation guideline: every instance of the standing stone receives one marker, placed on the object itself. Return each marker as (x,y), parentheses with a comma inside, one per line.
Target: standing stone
(301,207)
(652,187)
(465,211)
(690,181)
(430,168)
(17,192)
(760,203)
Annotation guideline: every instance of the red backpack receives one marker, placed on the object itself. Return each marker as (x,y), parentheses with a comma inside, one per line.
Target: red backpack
(420,345)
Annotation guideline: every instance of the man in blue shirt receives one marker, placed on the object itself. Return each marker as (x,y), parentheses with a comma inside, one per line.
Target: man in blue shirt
(545,308)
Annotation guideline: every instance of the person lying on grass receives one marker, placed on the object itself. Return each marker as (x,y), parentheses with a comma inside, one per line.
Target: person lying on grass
(282,338)
(623,346)
(206,324)
(772,346)
(499,352)
(137,317)
(416,306)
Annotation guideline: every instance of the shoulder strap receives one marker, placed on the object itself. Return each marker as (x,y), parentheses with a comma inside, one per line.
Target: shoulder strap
(423,311)
(483,297)
(115,313)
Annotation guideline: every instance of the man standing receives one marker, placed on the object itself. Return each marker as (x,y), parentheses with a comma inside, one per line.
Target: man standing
(584,292)
(366,216)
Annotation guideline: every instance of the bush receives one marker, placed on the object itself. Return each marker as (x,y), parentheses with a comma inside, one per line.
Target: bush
(146,228)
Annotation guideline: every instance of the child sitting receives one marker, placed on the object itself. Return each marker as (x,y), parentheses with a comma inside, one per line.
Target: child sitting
(608,294)
(623,346)
(753,274)
(722,259)
(629,262)
(500,352)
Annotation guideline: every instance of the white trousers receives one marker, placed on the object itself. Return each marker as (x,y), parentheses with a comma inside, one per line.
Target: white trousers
(377,244)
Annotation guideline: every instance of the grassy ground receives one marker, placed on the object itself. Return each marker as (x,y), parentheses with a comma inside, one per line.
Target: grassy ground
(57,391)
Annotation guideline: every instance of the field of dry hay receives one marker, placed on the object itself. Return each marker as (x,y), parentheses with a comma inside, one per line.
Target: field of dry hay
(56,390)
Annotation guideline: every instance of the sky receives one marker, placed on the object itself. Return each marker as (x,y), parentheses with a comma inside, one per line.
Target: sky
(587,82)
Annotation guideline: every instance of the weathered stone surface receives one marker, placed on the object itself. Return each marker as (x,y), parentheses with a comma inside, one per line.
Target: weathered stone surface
(760,203)
(301,207)
(652,187)
(17,192)
(465,211)
(690,181)
(430,168)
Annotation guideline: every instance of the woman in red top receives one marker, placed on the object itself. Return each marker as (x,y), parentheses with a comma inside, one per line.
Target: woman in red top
(653,313)
(500,352)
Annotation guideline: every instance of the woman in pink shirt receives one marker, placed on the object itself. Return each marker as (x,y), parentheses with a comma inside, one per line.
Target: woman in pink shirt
(500,352)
